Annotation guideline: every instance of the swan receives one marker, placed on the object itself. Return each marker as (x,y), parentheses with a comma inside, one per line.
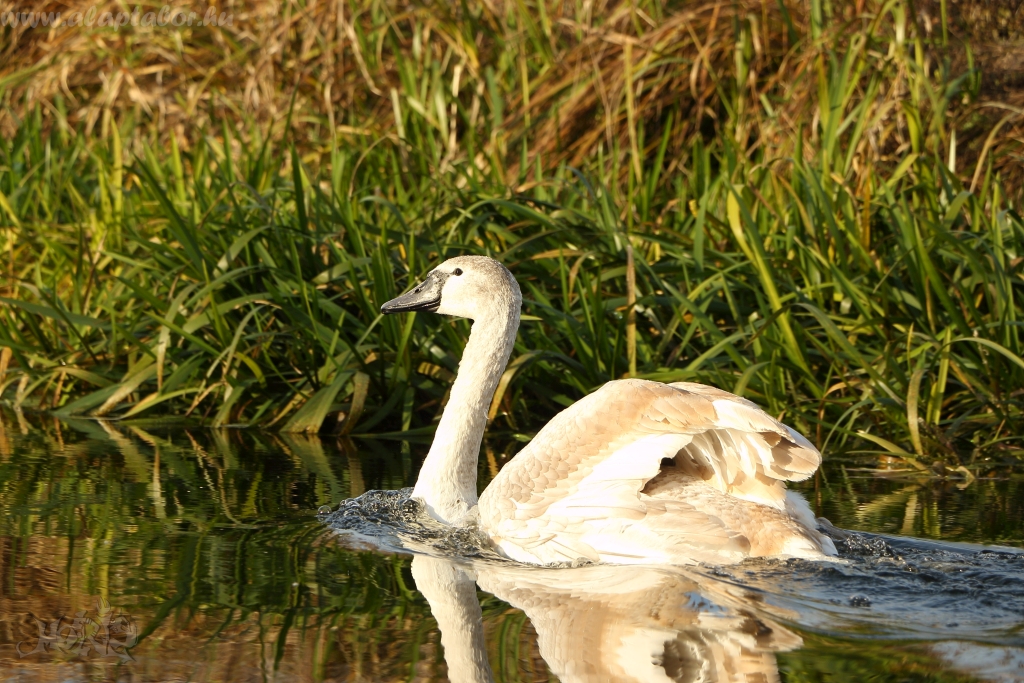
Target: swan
(638,472)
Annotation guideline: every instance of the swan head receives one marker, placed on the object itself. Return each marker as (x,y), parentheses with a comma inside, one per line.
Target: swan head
(471,287)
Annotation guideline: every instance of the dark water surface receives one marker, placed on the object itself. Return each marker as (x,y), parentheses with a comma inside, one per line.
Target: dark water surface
(203,551)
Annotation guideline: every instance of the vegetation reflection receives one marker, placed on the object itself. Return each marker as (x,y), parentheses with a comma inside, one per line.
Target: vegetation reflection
(209,542)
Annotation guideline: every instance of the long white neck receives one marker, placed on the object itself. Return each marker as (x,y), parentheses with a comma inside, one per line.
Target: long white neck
(447,480)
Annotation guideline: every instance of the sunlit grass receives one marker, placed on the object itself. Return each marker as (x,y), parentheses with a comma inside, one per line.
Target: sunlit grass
(824,252)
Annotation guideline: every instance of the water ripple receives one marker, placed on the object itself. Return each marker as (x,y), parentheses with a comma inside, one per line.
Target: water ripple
(881,586)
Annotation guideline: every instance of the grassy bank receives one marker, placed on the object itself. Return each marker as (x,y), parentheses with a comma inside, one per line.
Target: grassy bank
(786,194)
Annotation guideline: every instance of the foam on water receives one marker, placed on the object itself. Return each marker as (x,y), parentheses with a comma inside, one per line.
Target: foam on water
(895,587)
(393,521)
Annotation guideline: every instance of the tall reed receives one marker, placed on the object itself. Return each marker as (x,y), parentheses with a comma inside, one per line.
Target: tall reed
(828,257)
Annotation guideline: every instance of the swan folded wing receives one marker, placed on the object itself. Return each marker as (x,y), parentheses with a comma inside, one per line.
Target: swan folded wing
(680,535)
(593,460)
(610,488)
(604,518)
(741,450)
(792,457)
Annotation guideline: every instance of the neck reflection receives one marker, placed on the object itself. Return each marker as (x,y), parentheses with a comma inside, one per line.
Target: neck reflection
(608,623)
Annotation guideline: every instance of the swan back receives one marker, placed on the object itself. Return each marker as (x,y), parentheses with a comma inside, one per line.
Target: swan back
(717,463)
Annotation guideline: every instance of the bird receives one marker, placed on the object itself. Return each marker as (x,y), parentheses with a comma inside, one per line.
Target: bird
(636,472)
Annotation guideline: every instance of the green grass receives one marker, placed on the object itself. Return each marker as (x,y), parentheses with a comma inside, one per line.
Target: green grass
(839,269)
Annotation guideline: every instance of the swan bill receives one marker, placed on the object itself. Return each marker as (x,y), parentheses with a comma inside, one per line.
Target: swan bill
(426,296)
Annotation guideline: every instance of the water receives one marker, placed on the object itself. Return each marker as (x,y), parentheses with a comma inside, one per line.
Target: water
(204,552)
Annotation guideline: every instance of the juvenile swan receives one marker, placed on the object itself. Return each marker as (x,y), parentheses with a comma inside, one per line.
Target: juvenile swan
(637,472)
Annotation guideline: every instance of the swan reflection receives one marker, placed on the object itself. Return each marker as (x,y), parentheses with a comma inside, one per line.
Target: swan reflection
(608,623)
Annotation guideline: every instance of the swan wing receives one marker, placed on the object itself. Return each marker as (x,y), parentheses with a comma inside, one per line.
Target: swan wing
(749,452)
(577,486)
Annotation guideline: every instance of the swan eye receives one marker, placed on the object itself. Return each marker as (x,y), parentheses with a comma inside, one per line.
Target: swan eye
(457,271)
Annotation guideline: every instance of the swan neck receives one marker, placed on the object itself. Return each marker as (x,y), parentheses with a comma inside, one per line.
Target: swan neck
(447,480)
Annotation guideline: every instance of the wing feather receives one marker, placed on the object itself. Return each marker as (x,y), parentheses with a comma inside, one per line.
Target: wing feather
(592,461)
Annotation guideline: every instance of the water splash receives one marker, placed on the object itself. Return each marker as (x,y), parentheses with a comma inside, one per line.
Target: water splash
(899,588)
(395,522)
(881,586)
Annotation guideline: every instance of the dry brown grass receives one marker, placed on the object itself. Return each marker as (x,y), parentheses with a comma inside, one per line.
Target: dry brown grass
(560,75)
